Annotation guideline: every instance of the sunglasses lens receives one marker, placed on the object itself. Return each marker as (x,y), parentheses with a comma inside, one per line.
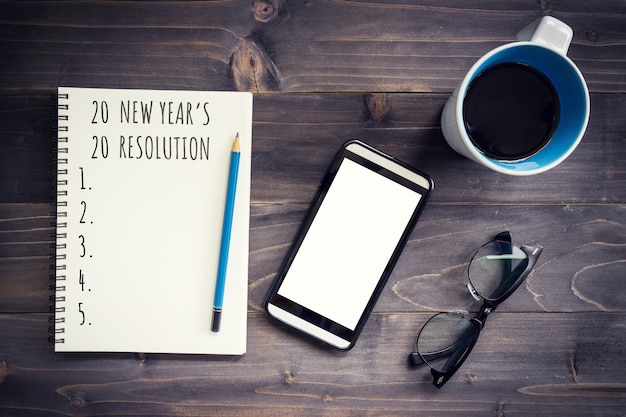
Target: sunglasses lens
(495,268)
(444,339)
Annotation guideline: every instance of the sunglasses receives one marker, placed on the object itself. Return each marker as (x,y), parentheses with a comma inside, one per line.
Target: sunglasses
(495,272)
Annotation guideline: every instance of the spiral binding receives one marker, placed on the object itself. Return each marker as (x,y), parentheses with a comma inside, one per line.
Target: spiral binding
(58,267)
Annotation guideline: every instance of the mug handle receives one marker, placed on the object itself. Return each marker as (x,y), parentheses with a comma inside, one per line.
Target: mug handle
(548,32)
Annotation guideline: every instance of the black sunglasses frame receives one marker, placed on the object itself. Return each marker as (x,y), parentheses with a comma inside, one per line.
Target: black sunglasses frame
(477,321)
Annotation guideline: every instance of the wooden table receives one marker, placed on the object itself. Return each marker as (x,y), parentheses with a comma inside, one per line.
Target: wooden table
(324,72)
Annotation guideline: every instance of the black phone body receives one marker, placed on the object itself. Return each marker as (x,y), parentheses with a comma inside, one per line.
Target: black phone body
(357,226)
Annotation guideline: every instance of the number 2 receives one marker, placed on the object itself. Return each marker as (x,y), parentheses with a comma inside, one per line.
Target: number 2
(82,218)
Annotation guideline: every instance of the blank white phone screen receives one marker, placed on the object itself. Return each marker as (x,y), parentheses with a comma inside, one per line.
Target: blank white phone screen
(349,243)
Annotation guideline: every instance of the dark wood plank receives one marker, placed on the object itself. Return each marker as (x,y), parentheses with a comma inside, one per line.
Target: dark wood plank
(577,370)
(309,46)
(296,136)
(26,232)
(27,158)
(580,270)
(292,151)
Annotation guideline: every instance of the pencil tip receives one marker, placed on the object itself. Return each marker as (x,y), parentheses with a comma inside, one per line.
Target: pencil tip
(236,146)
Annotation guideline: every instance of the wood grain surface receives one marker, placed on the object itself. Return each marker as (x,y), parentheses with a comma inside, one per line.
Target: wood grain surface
(324,72)
(289,46)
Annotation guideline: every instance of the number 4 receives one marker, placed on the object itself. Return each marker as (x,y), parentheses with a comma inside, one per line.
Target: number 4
(81,279)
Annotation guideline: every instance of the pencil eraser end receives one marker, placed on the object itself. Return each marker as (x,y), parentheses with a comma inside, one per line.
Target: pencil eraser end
(217,317)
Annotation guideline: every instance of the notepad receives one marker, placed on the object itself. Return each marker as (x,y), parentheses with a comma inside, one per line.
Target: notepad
(141,184)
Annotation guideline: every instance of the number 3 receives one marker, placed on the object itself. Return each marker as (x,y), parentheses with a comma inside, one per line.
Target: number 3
(82,245)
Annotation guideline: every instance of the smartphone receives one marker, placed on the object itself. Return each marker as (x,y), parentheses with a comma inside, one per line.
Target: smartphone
(353,234)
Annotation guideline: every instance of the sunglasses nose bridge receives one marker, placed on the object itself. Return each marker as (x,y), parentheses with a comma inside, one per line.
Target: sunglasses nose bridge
(481,317)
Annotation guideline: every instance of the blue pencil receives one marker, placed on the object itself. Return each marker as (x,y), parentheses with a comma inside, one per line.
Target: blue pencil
(226,230)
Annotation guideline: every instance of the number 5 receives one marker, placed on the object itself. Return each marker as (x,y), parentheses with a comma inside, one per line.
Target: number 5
(80,310)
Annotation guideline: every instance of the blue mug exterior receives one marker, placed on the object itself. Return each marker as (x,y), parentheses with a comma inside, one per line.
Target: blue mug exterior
(571,90)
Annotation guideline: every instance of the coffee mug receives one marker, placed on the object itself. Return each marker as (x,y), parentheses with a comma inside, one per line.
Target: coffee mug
(523,107)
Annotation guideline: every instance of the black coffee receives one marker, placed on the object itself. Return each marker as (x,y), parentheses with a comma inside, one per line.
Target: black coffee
(510,111)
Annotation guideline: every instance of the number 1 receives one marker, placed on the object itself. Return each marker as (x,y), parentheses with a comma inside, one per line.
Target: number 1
(82,178)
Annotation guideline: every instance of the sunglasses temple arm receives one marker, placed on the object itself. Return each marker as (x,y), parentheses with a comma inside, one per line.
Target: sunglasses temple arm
(517,274)
(504,237)
(453,352)
(456,358)
(462,345)
(415,359)
(506,284)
